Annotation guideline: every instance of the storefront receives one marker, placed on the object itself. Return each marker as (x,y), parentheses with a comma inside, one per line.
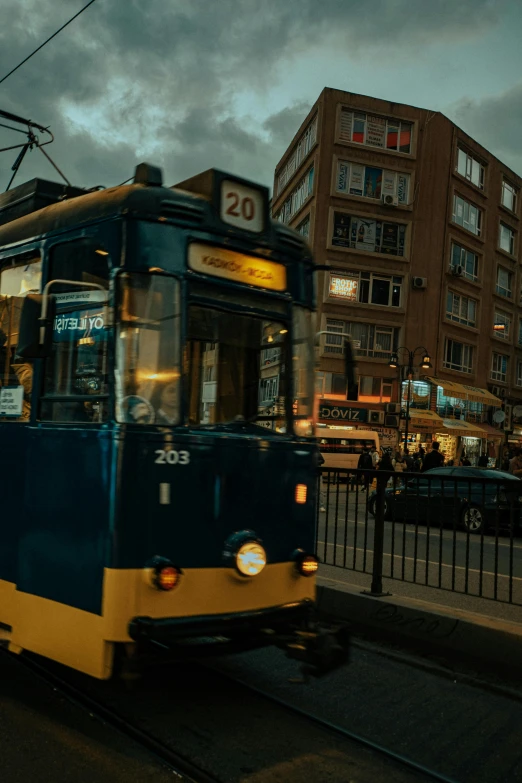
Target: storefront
(492,445)
(460,439)
(421,425)
(335,414)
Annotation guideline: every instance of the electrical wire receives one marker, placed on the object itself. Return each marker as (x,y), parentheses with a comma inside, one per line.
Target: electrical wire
(47,41)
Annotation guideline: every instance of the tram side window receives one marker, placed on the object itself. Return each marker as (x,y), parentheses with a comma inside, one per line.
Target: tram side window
(17,278)
(76,373)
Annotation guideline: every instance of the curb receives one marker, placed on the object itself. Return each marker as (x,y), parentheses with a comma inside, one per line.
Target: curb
(432,626)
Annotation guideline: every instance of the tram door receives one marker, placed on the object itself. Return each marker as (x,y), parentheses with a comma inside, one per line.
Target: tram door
(66,504)
(18,275)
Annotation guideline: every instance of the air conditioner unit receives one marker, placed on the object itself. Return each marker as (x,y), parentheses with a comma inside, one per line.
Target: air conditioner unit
(508,410)
(391,421)
(389,200)
(457,271)
(393,407)
(419,282)
(376,417)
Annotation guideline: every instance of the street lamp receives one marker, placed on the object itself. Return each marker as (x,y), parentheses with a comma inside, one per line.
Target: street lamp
(425,364)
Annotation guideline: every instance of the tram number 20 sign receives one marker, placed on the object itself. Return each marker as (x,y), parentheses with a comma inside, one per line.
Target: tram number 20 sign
(241,206)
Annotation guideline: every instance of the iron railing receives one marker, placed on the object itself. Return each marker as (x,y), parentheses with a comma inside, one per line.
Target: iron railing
(457,532)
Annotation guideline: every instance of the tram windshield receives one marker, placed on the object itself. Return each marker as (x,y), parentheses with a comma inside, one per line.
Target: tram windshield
(148,350)
(237,369)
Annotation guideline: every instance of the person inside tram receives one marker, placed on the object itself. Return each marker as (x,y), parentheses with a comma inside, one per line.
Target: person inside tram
(165,401)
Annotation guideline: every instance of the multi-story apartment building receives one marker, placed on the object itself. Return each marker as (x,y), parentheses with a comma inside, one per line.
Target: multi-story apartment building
(421,228)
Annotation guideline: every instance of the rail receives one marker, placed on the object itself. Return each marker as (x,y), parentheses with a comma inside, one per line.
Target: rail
(456,532)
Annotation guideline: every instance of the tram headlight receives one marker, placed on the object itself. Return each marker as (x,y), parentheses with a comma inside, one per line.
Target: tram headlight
(250,558)
(306,563)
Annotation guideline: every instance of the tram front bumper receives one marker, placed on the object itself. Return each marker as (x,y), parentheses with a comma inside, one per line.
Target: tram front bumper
(172,629)
(290,627)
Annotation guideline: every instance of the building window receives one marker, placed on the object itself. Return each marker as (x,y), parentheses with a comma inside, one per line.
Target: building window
(466,260)
(367,287)
(268,389)
(304,227)
(504,282)
(374,389)
(502,325)
(373,236)
(499,367)
(470,168)
(520,331)
(518,380)
(467,215)
(302,148)
(297,197)
(461,309)
(372,131)
(458,356)
(371,182)
(371,340)
(506,239)
(509,195)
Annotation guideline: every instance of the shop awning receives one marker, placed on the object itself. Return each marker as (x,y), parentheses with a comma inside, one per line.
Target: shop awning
(492,432)
(423,421)
(464,392)
(464,428)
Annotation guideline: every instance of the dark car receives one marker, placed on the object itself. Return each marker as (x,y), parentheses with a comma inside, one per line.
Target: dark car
(456,494)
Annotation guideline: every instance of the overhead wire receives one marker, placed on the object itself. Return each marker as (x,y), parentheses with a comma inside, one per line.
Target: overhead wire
(47,41)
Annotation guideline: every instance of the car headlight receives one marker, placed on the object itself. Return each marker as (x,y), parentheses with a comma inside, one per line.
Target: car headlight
(250,558)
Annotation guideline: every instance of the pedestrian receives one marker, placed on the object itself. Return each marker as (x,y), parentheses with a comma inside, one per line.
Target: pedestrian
(515,464)
(408,460)
(375,457)
(386,462)
(365,462)
(483,460)
(433,459)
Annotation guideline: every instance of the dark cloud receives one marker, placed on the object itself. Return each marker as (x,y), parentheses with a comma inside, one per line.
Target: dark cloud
(162,79)
(495,122)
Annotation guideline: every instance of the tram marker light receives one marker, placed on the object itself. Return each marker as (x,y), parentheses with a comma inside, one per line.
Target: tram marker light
(301,491)
(164,575)
(305,563)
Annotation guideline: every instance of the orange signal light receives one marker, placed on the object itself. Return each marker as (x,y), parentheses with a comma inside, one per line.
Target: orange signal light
(301,491)
(167,578)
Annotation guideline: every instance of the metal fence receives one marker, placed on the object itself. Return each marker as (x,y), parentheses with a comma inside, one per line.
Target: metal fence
(459,532)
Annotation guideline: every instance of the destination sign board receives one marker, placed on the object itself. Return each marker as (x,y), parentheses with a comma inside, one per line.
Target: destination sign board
(241,268)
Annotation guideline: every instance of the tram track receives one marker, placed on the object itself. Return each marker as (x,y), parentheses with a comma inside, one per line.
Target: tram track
(182,768)
(274,742)
(339,731)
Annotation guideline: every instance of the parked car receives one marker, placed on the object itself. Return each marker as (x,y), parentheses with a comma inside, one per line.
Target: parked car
(456,493)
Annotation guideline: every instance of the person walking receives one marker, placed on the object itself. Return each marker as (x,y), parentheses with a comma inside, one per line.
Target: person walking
(483,460)
(365,462)
(433,459)
(408,460)
(515,464)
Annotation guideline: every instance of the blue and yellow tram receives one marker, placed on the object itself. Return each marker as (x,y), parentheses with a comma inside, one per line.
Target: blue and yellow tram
(156,419)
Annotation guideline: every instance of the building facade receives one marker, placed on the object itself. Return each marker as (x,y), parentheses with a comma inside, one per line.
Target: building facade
(420,226)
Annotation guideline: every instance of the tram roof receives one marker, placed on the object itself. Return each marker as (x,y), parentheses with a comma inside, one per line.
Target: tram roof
(139,198)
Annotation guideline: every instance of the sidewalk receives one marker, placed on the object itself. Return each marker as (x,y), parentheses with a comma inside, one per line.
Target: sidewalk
(436,619)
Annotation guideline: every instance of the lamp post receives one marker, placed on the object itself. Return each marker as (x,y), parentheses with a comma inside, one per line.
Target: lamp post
(425,364)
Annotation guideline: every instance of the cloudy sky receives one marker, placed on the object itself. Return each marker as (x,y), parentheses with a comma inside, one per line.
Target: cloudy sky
(191,84)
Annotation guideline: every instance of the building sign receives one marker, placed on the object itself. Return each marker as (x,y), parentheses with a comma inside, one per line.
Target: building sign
(235,266)
(344,288)
(375,131)
(333,412)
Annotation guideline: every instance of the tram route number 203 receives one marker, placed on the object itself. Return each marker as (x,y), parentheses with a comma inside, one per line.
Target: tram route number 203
(171,457)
